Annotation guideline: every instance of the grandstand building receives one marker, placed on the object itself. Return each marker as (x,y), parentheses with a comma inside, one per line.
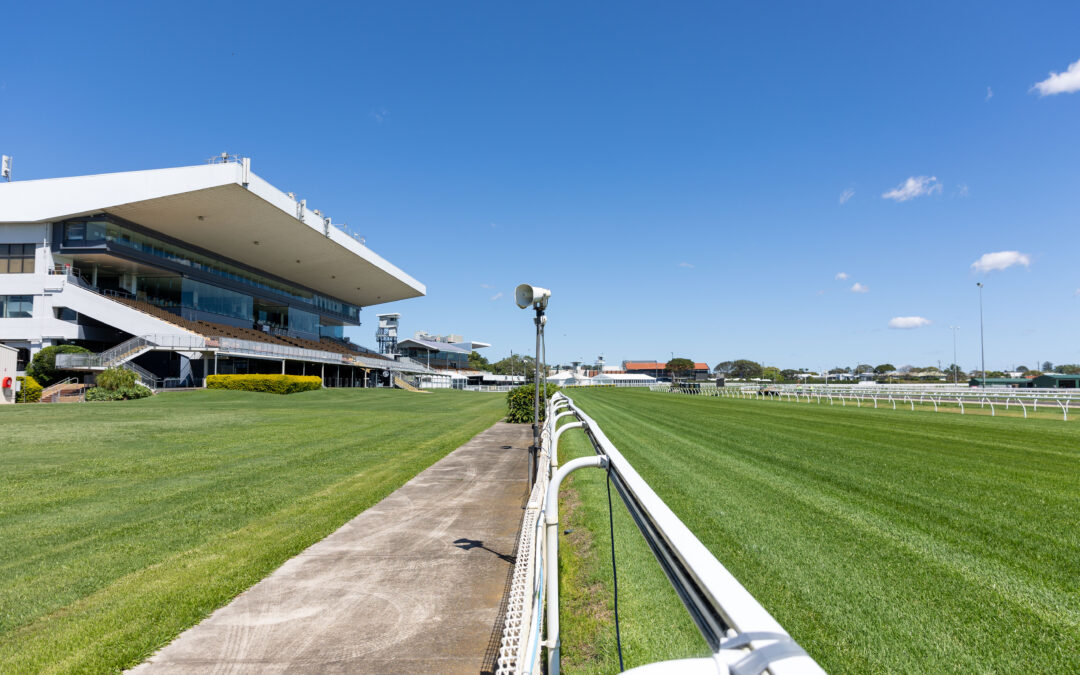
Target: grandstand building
(185,272)
(439,351)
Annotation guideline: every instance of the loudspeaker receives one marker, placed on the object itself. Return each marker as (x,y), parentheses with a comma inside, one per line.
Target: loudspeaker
(532,295)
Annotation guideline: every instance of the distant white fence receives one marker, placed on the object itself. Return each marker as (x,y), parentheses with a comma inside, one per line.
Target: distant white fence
(1055,400)
(743,637)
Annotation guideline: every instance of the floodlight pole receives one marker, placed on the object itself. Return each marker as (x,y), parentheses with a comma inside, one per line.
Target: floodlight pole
(982,343)
(955,369)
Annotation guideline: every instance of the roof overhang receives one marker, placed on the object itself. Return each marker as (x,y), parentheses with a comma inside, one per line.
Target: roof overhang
(448,347)
(226,209)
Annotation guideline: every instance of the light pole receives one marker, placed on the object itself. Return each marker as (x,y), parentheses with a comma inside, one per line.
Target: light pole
(526,295)
(955,374)
(982,342)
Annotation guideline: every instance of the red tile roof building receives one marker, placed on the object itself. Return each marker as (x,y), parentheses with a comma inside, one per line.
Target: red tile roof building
(659,370)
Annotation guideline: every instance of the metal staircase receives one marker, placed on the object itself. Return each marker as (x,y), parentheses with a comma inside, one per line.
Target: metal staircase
(401,383)
(65,391)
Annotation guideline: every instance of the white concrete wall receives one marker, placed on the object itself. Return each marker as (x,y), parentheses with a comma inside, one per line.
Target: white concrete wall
(7,369)
(52,291)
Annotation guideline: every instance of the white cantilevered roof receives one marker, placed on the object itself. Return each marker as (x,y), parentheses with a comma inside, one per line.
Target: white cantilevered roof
(226,209)
(450,347)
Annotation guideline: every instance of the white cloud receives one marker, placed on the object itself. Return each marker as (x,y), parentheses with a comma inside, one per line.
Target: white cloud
(494,225)
(840,276)
(963,190)
(686,265)
(1060,83)
(822,292)
(487,286)
(908,322)
(846,195)
(989,93)
(913,187)
(859,288)
(496,296)
(1076,294)
(380,114)
(1000,261)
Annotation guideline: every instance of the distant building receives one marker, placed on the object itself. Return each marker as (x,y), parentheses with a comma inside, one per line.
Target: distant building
(1056,381)
(439,351)
(659,370)
(624,379)
(1007,382)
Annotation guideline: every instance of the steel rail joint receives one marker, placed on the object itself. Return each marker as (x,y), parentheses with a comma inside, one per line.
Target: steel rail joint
(555,441)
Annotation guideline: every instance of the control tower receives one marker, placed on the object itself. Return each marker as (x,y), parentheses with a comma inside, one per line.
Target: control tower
(386,333)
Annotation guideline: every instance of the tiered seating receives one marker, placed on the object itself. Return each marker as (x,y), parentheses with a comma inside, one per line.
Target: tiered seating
(158,313)
(210,329)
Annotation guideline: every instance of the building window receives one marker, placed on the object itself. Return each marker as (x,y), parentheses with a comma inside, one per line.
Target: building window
(207,298)
(17,258)
(16,306)
(304,322)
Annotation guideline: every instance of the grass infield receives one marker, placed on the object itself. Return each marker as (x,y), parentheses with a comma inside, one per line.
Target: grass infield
(125,523)
(884,541)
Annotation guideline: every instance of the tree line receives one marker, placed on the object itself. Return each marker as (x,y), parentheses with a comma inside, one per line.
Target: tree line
(745,369)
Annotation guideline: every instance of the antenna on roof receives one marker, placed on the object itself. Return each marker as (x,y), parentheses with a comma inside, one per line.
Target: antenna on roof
(5,168)
(225,158)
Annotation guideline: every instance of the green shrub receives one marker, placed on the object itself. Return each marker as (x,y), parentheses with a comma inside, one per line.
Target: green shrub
(519,403)
(100,393)
(116,378)
(30,392)
(43,366)
(269,384)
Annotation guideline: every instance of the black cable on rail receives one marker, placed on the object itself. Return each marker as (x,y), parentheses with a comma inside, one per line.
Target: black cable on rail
(614,570)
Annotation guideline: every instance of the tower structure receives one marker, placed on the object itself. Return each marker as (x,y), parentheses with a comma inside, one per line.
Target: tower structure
(386,333)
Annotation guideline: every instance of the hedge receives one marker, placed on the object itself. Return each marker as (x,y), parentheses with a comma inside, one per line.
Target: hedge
(519,403)
(116,378)
(30,392)
(270,384)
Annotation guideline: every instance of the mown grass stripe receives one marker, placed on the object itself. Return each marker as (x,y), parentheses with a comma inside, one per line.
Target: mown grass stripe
(883,541)
(125,523)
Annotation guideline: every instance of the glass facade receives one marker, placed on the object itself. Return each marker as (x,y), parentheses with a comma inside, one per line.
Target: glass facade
(161,291)
(97,231)
(306,322)
(336,332)
(437,359)
(16,306)
(207,298)
(17,258)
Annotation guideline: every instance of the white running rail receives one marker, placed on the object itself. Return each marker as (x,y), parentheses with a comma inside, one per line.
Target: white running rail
(743,637)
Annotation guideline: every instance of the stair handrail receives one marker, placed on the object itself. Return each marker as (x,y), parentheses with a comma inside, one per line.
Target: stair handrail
(52,391)
(146,378)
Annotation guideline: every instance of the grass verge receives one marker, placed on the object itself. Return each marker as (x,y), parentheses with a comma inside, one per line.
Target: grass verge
(126,523)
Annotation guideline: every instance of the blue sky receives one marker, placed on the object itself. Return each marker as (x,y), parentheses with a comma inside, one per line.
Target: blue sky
(674,173)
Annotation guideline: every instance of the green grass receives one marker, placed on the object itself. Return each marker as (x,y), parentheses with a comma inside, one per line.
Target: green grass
(884,541)
(125,523)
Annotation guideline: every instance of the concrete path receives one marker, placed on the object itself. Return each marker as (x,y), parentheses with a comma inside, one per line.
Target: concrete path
(414,584)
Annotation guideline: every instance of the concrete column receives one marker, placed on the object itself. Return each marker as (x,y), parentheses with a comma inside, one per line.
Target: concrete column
(282,366)
(322,374)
